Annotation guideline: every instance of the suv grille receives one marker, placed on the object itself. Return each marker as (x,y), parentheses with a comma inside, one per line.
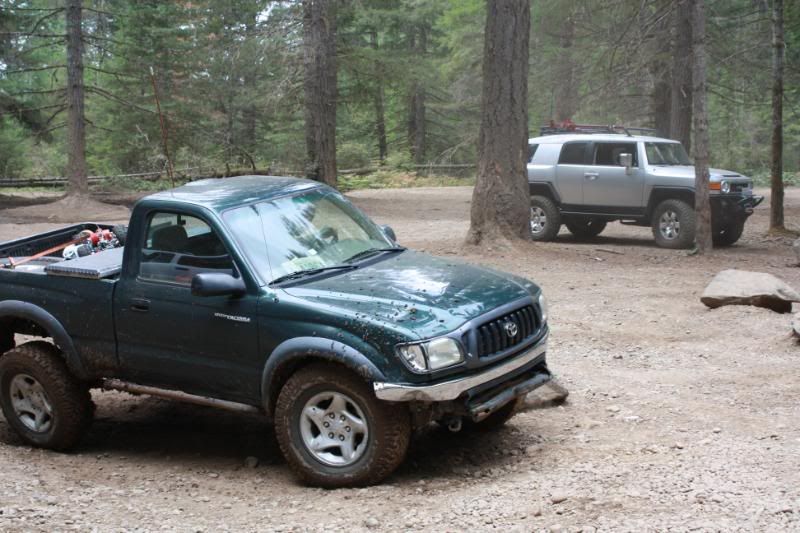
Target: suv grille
(493,337)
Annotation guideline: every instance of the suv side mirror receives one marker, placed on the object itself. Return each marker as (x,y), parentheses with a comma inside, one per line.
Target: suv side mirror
(217,284)
(626,160)
(389,232)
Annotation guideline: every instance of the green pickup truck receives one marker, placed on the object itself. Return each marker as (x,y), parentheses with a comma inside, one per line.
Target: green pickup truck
(271,295)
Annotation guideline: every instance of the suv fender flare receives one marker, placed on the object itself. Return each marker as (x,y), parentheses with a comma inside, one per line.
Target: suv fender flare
(543,188)
(14,309)
(659,194)
(288,355)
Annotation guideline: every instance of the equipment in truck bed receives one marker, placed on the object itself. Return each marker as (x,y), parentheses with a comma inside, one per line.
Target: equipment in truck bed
(101,265)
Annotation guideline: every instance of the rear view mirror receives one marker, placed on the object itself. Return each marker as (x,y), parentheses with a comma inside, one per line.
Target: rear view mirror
(626,160)
(389,232)
(217,284)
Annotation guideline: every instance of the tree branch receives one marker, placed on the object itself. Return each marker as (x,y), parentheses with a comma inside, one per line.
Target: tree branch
(114,98)
(33,69)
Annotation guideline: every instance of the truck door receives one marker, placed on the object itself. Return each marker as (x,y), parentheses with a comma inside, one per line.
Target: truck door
(168,337)
(612,187)
(571,173)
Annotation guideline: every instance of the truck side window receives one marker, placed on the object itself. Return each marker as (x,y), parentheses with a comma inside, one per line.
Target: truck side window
(532,152)
(180,246)
(607,154)
(573,154)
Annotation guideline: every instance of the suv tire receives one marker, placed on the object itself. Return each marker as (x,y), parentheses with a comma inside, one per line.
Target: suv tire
(674,224)
(585,227)
(41,400)
(728,234)
(326,398)
(545,219)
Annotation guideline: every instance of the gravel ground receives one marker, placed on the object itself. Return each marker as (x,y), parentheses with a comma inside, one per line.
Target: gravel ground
(679,418)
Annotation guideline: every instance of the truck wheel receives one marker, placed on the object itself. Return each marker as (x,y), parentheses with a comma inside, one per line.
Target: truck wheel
(585,227)
(728,234)
(45,404)
(495,420)
(334,432)
(545,219)
(674,224)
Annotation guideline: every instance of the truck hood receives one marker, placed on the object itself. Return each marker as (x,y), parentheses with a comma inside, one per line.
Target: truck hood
(416,292)
(686,171)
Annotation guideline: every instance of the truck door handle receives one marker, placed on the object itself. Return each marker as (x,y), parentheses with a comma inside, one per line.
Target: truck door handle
(590,175)
(140,304)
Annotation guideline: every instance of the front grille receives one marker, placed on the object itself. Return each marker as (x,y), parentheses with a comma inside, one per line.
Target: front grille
(739,187)
(493,336)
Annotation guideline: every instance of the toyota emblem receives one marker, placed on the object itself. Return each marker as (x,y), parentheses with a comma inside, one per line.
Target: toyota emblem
(511,329)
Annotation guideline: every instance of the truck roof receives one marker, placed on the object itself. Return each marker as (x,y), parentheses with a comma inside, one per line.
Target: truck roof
(220,194)
(567,137)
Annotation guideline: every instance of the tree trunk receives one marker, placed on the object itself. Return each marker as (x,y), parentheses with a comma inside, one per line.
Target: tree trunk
(319,55)
(681,106)
(661,72)
(378,99)
(78,183)
(500,209)
(416,103)
(701,140)
(566,94)
(776,200)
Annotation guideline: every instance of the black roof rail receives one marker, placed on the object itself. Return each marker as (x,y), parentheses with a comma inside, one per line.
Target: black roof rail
(570,127)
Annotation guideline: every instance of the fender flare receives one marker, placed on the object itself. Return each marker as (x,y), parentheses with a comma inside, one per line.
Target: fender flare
(49,323)
(543,188)
(299,349)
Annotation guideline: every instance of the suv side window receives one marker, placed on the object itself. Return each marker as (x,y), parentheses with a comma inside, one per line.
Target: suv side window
(532,152)
(178,247)
(607,154)
(573,154)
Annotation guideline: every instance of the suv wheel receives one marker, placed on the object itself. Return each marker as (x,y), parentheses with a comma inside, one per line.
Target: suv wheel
(728,234)
(585,227)
(334,432)
(545,219)
(673,224)
(45,404)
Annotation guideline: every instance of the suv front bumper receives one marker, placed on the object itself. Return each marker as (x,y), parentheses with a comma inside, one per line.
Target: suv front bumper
(730,207)
(524,373)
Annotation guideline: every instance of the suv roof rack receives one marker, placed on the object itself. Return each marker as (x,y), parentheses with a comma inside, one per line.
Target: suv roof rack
(554,128)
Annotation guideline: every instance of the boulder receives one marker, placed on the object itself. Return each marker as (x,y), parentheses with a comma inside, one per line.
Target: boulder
(796,325)
(740,287)
(796,248)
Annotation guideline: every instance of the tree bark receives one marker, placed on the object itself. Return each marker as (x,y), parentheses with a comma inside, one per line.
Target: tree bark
(378,101)
(417,134)
(662,75)
(701,138)
(566,94)
(78,183)
(776,221)
(500,209)
(319,55)
(681,91)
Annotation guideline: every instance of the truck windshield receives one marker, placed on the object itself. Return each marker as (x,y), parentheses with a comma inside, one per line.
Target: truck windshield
(308,231)
(666,154)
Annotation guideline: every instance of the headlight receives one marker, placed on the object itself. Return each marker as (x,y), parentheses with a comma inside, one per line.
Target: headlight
(725,187)
(543,306)
(432,355)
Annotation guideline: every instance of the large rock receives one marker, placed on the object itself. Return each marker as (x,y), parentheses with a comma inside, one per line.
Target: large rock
(740,287)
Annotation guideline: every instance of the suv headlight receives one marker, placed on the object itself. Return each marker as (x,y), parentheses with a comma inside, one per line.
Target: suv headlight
(543,306)
(725,186)
(431,355)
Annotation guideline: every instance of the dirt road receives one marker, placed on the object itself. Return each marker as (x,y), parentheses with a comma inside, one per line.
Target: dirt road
(679,418)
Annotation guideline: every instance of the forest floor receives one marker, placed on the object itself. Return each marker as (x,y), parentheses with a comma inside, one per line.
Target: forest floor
(679,418)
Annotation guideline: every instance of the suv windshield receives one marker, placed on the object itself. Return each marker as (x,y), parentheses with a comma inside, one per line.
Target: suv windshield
(666,154)
(307,231)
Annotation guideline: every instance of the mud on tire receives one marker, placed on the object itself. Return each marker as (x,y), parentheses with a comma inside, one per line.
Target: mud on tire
(386,443)
(41,400)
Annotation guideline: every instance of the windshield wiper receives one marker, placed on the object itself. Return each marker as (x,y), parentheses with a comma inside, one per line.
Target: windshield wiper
(310,272)
(372,251)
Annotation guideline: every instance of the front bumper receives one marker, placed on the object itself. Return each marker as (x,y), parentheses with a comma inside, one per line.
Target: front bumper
(732,207)
(532,359)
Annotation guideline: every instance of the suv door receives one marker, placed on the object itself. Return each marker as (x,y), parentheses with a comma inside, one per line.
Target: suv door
(168,337)
(570,172)
(612,186)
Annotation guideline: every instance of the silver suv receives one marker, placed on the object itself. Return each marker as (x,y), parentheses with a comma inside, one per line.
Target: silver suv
(585,179)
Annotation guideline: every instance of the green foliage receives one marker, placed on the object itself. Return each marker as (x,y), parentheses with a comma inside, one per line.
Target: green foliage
(352,155)
(14,146)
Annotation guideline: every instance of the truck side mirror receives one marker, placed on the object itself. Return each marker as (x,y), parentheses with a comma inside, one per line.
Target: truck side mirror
(217,284)
(389,232)
(626,160)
